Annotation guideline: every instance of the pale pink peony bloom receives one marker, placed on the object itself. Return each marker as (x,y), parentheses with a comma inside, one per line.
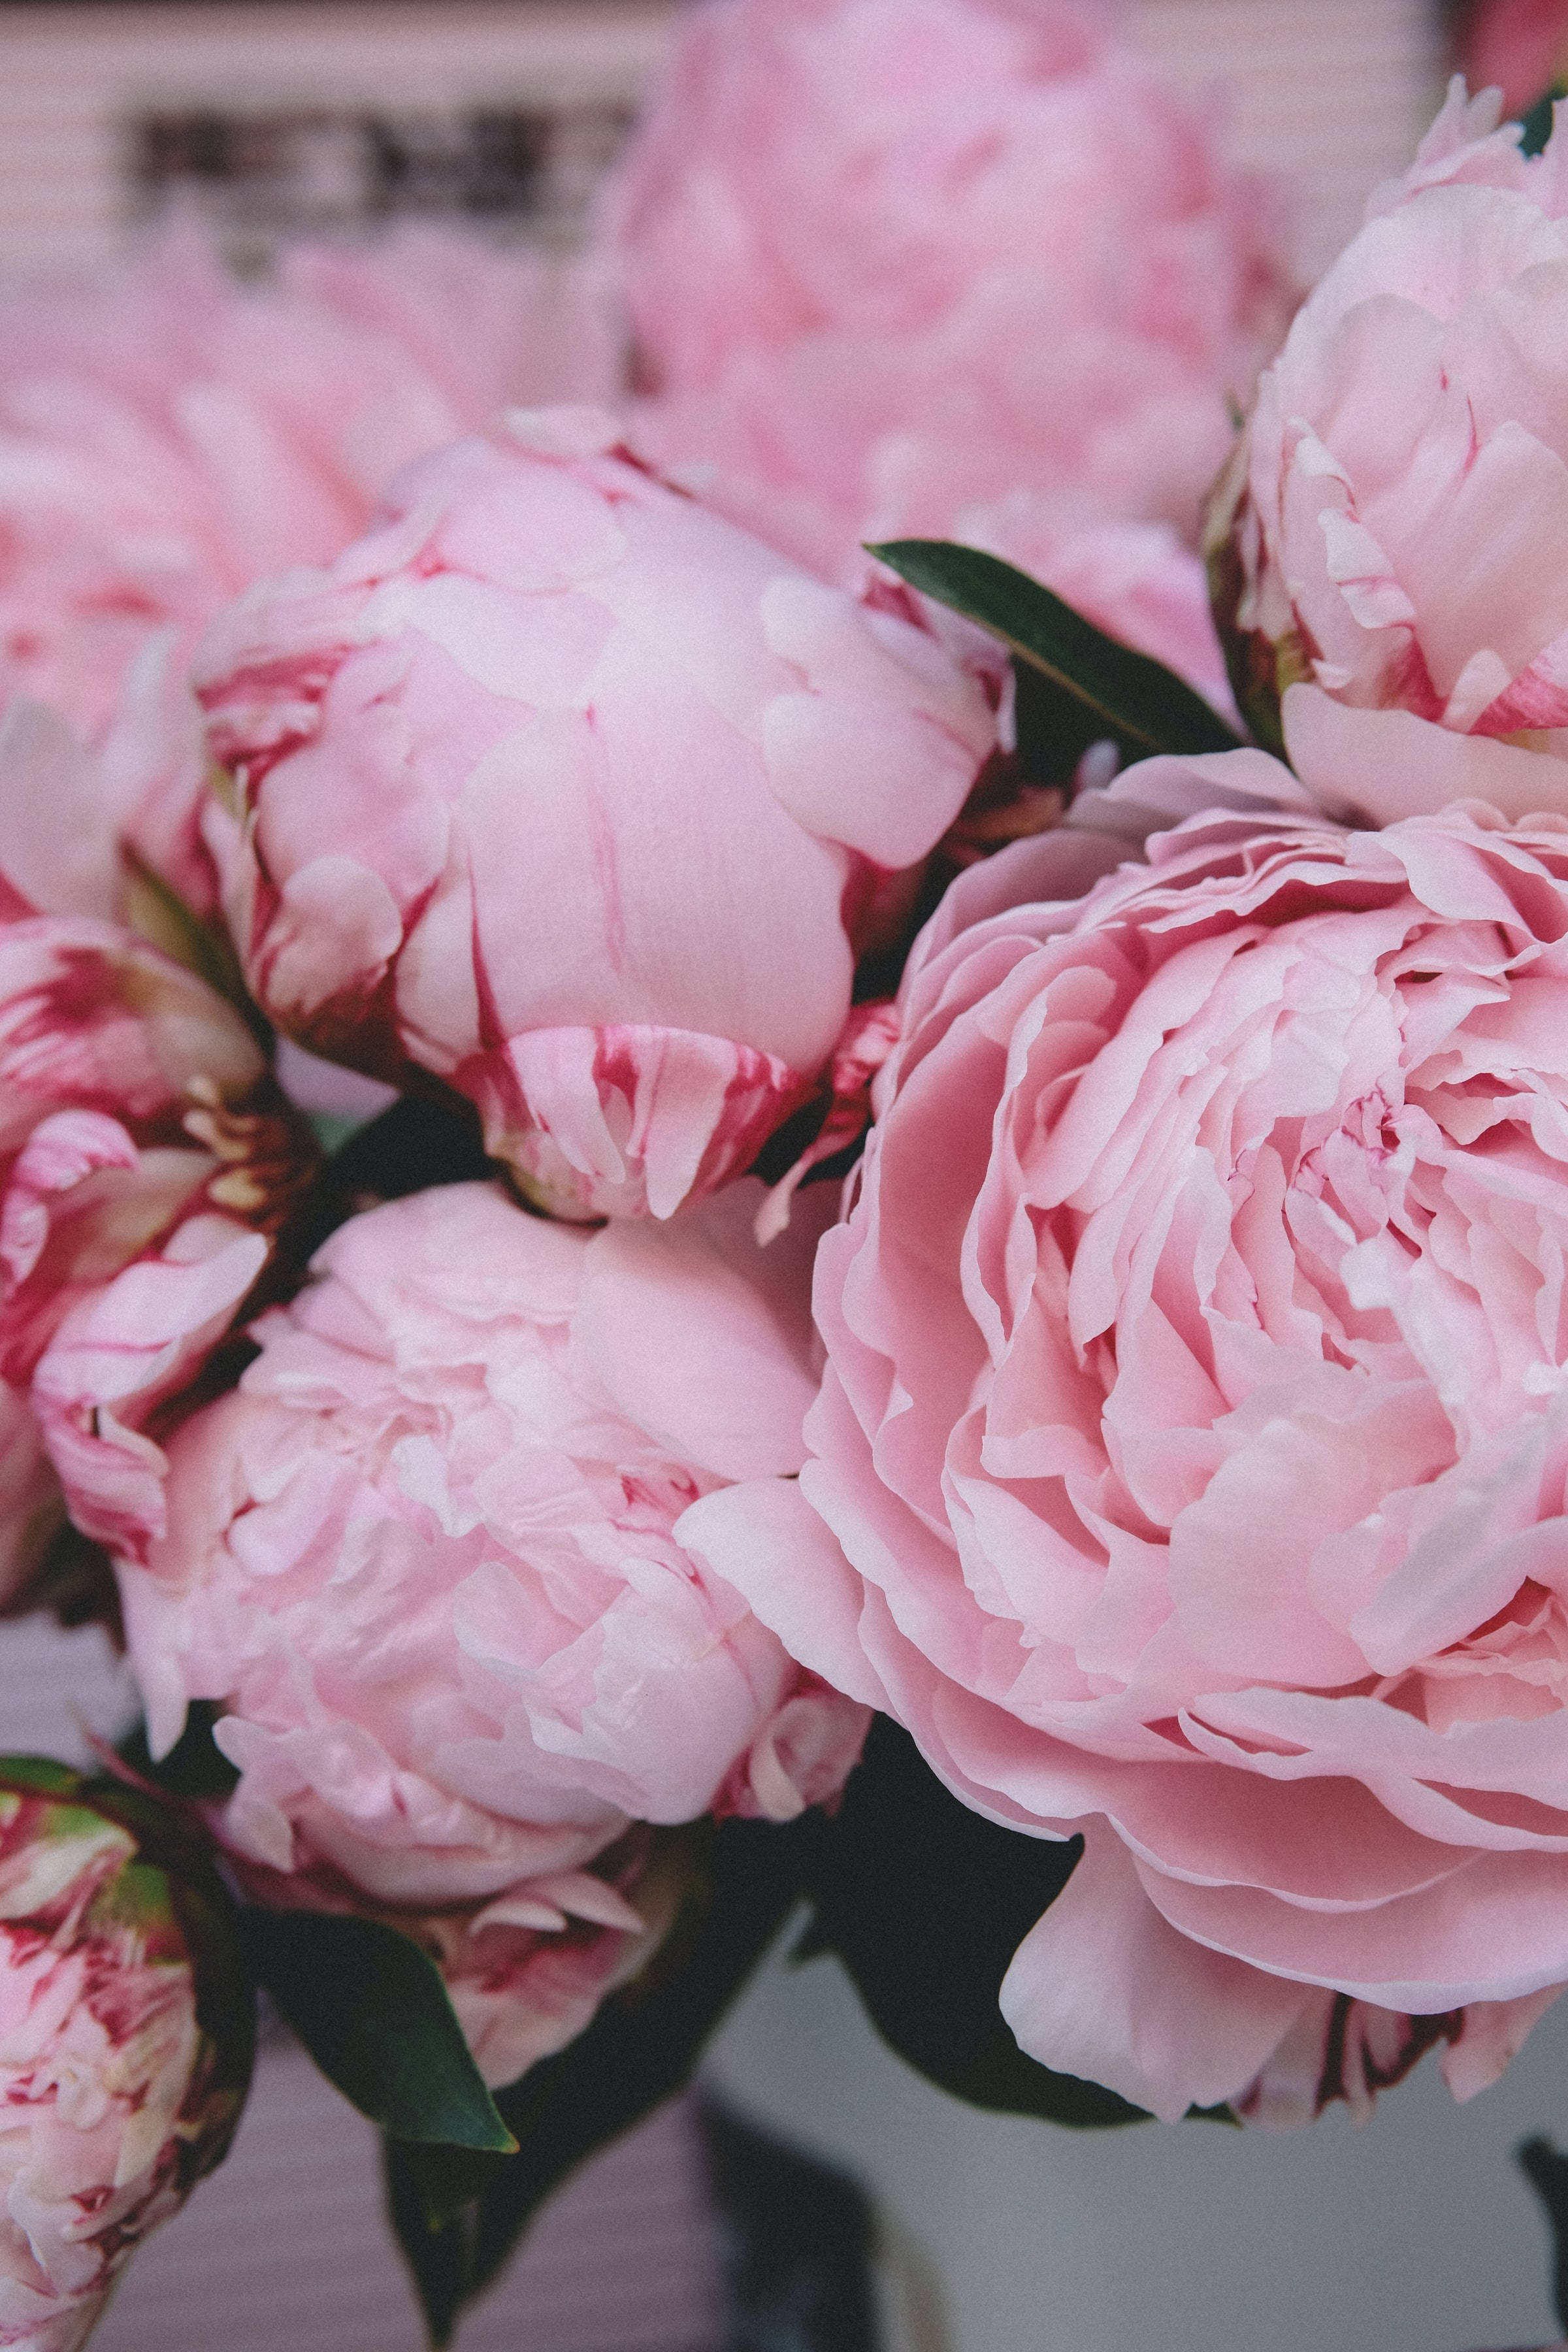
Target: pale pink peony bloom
(116,2098)
(576,795)
(422,1557)
(1190,1465)
(166,437)
(890,258)
(1518,45)
(1387,542)
(146,1161)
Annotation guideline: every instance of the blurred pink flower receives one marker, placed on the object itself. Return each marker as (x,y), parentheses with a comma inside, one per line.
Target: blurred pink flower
(1387,545)
(145,1160)
(116,2099)
(1518,45)
(892,258)
(1190,1465)
(422,1556)
(167,436)
(567,790)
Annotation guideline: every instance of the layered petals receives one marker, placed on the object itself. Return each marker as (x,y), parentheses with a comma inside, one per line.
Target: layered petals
(117,2097)
(1386,537)
(425,1557)
(1190,1458)
(561,786)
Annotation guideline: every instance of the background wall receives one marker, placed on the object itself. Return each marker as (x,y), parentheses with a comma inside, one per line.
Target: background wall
(1332,93)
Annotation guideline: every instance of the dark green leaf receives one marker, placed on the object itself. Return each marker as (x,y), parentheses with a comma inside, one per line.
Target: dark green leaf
(371,2010)
(435,2233)
(925,1904)
(39,1776)
(74,1581)
(1139,704)
(429,1137)
(1547,2173)
(1536,123)
(195,1768)
(641,2048)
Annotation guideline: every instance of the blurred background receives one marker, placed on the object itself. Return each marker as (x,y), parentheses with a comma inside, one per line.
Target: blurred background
(265,120)
(274,117)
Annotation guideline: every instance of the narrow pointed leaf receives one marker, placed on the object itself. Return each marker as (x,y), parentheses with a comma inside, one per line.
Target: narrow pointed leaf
(371,2010)
(644,2042)
(741,1880)
(1139,704)
(437,2247)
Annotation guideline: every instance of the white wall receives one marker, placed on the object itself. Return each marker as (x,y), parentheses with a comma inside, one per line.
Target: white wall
(1412,2233)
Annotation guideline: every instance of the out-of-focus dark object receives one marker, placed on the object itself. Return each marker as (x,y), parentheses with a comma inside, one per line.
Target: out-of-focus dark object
(1547,2173)
(266,121)
(314,171)
(1519,44)
(796,2239)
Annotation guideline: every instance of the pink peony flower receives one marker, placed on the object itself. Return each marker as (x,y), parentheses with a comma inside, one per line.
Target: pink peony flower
(423,1555)
(1387,542)
(1519,46)
(117,2098)
(167,437)
(568,791)
(892,260)
(1191,1465)
(146,1161)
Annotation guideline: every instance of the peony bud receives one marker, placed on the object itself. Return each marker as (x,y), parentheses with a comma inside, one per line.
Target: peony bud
(126,2034)
(567,790)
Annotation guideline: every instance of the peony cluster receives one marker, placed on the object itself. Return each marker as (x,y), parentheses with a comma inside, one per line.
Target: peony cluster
(1102,1303)
(118,2096)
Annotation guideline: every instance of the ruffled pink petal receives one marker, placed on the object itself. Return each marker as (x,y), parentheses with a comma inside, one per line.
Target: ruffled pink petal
(110,1359)
(628,1121)
(702,1337)
(1104,1989)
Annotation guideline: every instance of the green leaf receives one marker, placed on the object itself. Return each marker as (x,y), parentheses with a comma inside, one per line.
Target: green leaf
(1140,705)
(196,1768)
(39,1776)
(743,1881)
(925,1904)
(1536,122)
(1547,2173)
(371,2010)
(437,2244)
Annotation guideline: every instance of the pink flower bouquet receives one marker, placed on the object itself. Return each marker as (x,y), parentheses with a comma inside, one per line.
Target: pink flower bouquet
(931,1282)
